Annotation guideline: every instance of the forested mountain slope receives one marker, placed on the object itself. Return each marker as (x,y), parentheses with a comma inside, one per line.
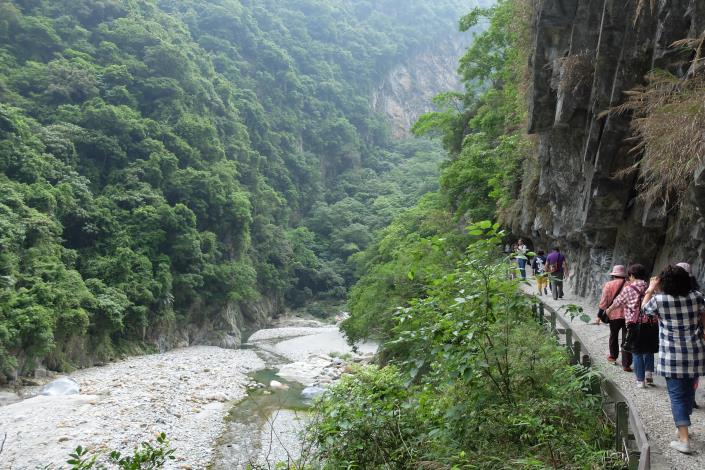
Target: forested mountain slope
(168,167)
(466,377)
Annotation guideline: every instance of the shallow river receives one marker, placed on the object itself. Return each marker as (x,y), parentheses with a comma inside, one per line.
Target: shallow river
(216,405)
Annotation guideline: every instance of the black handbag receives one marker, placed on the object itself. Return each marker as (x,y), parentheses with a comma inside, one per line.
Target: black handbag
(629,340)
(641,336)
(602,315)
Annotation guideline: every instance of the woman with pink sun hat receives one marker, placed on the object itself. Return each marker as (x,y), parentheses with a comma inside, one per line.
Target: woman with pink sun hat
(610,291)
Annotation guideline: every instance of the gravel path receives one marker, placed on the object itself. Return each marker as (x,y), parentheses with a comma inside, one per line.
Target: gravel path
(185,393)
(653,404)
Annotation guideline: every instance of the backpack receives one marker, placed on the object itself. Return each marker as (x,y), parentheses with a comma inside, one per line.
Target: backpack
(539,264)
(553,267)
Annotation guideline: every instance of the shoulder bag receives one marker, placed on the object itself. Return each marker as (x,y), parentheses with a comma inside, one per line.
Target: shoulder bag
(641,337)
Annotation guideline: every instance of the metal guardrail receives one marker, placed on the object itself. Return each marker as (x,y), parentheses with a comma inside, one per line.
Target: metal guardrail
(630,436)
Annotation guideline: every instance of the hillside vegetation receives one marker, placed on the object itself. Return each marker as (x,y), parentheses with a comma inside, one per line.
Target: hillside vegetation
(161,161)
(466,378)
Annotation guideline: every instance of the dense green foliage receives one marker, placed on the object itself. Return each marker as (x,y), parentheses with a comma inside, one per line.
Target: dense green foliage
(161,158)
(472,382)
(408,257)
(467,380)
(481,130)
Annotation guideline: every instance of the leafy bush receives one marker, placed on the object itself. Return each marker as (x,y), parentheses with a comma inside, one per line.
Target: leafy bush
(366,421)
(146,457)
(471,382)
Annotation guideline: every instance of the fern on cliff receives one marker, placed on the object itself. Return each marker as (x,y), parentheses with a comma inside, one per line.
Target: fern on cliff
(668,118)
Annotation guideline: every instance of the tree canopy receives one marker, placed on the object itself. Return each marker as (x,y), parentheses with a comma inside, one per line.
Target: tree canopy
(160,159)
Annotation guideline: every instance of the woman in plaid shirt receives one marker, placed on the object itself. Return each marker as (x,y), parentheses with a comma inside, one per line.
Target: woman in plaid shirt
(647,341)
(681,313)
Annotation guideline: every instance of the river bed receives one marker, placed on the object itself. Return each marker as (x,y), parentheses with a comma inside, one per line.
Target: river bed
(267,427)
(198,396)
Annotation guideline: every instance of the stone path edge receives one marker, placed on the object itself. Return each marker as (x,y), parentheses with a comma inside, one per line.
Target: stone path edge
(611,390)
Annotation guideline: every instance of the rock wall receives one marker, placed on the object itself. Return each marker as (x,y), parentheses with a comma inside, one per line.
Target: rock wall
(408,90)
(586,54)
(223,328)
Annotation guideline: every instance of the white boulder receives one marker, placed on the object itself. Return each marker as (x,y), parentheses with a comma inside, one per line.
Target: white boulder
(276,385)
(61,386)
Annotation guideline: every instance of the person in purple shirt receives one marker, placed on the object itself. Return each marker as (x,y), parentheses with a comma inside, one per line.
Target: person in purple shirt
(557,266)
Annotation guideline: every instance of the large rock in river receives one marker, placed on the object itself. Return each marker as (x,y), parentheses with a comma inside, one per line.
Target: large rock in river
(62,386)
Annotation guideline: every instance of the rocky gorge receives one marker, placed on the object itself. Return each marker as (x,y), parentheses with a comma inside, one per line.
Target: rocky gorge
(586,57)
(186,393)
(408,90)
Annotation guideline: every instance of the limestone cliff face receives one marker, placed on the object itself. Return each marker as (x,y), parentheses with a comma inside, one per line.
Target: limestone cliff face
(223,327)
(587,53)
(408,89)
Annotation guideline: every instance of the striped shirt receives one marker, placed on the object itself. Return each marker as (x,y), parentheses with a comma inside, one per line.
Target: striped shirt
(681,345)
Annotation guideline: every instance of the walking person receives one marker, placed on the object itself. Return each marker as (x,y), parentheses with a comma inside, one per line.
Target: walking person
(557,267)
(538,265)
(513,262)
(521,252)
(641,326)
(617,324)
(681,314)
(695,287)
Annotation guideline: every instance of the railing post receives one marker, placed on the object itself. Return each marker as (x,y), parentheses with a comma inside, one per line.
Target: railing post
(553,322)
(542,318)
(576,352)
(622,422)
(535,312)
(569,343)
(586,362)
(634,457)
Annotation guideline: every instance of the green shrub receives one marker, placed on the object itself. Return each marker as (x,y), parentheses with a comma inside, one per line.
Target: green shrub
(471,382)
(147,457)
(365,421)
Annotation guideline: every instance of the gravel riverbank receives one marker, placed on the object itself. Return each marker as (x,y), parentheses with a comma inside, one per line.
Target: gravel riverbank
(652,403)
(185,393)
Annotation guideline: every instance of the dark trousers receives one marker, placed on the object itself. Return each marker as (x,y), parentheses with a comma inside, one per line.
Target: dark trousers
(557,285)
(615,327)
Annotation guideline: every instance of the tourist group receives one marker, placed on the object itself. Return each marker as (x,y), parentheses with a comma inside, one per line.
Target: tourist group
(663,315)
